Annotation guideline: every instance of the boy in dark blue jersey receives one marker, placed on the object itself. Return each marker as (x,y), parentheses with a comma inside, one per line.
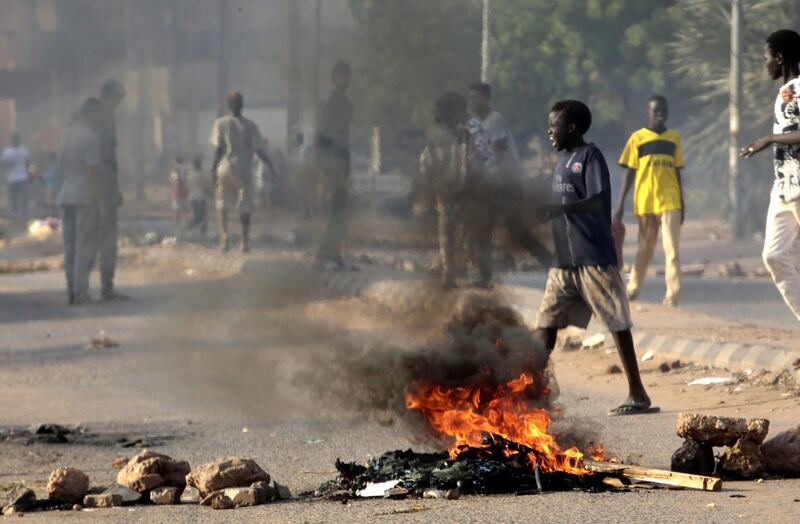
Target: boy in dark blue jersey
(584,278)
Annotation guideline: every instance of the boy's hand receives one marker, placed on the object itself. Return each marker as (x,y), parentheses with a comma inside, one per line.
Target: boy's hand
(548,212)
(757,146)
(619,213)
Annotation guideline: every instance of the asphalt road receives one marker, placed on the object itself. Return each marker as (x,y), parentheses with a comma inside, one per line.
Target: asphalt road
(210,364)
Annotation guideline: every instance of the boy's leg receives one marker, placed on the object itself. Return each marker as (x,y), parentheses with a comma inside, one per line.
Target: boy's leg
(86,218)
(648,234)
(637,396)
(68,233)
(224,239)
(446,234)
(245,220)
(783,228)
(670,237)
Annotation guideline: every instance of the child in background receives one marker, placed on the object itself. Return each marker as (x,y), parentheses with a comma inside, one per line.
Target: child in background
(198,185)
(52,183)
(177,184)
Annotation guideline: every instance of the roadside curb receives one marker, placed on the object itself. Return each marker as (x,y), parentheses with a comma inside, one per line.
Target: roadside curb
(407,290)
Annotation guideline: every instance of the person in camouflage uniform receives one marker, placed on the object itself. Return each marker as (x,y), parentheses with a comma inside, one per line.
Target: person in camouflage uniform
(456,167)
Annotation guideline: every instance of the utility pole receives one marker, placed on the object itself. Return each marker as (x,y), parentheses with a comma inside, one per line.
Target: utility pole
(222,64)
(734,182)
(317,57)
(294,95)
(486,42)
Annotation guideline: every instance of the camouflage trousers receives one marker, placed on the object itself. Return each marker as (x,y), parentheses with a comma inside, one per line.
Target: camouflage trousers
(465,222)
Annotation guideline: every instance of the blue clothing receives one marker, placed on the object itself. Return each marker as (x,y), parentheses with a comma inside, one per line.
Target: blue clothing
(583,239)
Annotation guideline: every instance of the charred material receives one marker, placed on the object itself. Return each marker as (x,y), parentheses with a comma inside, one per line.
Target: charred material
(486,470)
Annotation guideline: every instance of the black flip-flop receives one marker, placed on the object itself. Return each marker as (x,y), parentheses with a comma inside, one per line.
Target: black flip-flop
(632,409)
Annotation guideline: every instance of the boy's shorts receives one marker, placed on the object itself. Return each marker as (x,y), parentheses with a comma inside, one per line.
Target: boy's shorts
(572,295)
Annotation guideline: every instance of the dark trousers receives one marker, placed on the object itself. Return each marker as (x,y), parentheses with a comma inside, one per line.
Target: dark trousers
(199,216)
(18,200)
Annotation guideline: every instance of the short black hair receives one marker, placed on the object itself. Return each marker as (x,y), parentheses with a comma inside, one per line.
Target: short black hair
(658,98)
(449,106)
(235,101)
(787,43)
(576,112)
(342,67)
(482,88)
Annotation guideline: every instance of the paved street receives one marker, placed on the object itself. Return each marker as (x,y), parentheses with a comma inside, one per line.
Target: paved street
(203,356)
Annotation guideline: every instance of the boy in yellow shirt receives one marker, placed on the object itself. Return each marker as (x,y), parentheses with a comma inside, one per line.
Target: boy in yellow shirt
(654,159)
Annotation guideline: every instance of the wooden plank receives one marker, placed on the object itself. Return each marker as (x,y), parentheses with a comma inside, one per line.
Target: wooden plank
(655,476)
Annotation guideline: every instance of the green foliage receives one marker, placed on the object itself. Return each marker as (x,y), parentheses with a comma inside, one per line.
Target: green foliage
(609,53)
(409,52)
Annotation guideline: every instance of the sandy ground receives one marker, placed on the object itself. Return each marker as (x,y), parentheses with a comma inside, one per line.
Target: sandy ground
(211,365)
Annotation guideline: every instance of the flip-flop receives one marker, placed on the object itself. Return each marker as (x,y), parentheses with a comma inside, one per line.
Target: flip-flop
(632,409)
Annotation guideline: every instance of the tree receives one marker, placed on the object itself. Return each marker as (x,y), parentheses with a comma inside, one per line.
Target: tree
(408,53)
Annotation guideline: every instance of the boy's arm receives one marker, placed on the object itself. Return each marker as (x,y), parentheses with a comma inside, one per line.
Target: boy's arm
(786,139)
(262,155)
(627,182)
(581,207)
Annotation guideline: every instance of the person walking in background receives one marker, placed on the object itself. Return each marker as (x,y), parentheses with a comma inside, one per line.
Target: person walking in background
(456,166)
(654,158)
(52,182)
(199,190)
(333,154)
(79,198)
(16,160)
(111,95)
(782,61)
(508,193)
(178,190)
(235,140)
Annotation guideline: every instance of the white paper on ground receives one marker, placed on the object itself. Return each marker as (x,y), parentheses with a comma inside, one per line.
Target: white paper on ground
(710,381)
(377,489)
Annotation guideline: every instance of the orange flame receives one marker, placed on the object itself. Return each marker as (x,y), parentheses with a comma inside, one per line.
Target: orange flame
(466,414)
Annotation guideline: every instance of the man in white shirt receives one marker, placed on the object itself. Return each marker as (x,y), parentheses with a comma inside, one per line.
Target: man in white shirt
(508,193)
(235,140)
(782,62)
(16,160)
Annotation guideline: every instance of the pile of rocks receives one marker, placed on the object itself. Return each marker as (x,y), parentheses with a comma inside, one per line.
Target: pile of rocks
(154,478)
(745,455)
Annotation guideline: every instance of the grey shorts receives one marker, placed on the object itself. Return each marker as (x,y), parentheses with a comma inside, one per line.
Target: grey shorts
(572,295)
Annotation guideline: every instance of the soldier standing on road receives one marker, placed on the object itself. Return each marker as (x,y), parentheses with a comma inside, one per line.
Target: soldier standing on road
(111,95)
(654,158)
(79,198)
(782,60)
(456,165)
(333,155)
(235,140)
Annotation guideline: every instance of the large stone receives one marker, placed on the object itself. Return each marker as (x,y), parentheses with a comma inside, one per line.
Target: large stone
(742,461)
(67,485)
(243,497)
(190,495)
(21,499)
(107,500)
(782,453)
(230,472)
(164,495)
(129,496)
(220,501)
(284,493)
(720,431)
(268,493)
(694,458)
(149,470)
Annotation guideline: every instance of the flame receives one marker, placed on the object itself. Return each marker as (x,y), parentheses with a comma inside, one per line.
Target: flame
(468,414)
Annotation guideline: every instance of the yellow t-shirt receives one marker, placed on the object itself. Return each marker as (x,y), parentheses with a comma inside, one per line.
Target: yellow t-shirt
(656,159)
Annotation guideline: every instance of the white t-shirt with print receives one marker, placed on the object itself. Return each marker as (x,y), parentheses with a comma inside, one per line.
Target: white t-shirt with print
(787,120)
(496,128)
(15,160)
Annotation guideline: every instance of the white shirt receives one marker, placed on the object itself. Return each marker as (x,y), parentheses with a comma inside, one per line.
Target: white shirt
(239,138)
(15,160)
(787,120)
(496,128)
